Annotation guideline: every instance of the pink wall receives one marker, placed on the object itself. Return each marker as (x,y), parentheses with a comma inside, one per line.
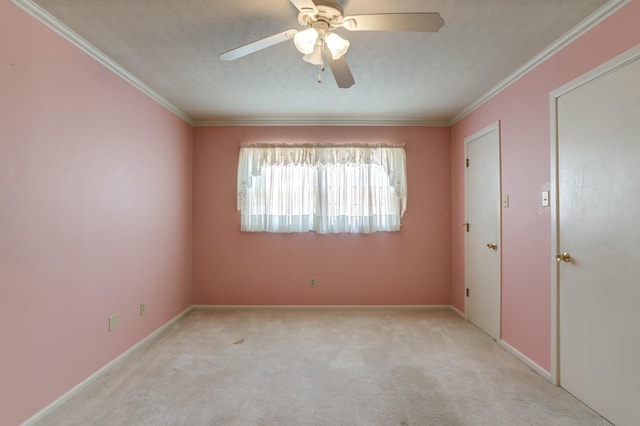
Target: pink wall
(95,215)
(406,268)
(523,110)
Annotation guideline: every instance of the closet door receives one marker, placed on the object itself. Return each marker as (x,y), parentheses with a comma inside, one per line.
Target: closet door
(598,161)
(483,245)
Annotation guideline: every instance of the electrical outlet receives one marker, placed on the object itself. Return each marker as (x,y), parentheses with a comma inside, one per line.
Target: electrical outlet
(143,309)
(114,322)
(312,281)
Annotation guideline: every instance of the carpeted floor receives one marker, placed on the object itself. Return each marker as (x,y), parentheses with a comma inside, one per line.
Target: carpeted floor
(322,367)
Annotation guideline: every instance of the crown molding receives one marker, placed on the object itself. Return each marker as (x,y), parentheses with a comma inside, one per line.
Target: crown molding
(594,19)
(320,122)
(50,21)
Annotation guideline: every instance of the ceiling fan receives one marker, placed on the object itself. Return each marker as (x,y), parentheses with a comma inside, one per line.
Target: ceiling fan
(318,41)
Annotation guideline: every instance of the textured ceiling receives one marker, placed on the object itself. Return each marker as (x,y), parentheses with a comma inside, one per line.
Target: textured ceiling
(173,45)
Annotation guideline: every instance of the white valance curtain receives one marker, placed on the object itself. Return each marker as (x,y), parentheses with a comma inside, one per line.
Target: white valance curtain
(322,188)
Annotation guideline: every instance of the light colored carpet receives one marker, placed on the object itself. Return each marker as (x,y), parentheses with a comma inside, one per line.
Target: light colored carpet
(322,367)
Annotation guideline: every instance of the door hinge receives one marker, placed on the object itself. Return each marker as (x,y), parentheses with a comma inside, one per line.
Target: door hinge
(466,226)
(467,292)
(467,162)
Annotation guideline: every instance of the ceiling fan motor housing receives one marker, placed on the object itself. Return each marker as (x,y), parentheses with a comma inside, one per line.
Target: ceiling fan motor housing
(329,13)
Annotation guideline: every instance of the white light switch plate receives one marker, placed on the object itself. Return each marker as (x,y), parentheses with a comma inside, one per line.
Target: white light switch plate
(545,198)
(505,201)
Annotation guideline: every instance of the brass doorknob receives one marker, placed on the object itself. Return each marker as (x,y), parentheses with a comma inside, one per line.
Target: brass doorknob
(492,246)
(563,257)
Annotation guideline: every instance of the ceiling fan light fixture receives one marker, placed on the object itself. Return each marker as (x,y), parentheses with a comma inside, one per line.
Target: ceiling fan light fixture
(315,57)
(336,45)
(305,41)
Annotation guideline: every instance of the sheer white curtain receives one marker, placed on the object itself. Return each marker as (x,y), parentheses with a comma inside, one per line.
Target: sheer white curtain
(327,188)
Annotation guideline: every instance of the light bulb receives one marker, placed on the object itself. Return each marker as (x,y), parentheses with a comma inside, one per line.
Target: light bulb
(336,45)
(305,41)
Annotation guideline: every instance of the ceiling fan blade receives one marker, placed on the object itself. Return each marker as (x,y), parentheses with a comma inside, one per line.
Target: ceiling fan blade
(255,46)
(305,6)
(341,72)
(418,22)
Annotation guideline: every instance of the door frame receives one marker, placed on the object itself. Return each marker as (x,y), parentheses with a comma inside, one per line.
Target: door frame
(618,62)
(477,135)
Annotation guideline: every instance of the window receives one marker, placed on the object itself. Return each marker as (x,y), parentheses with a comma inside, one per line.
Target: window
(326,189)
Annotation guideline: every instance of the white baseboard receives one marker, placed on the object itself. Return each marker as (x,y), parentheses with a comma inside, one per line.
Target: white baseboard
(321,307)
(522,357)
(458,311)
(73,391)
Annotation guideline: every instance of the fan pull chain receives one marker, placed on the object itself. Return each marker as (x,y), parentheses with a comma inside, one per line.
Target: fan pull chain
(321,66)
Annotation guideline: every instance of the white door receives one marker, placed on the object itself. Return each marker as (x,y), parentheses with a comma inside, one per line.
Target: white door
(482,304)
(598,175)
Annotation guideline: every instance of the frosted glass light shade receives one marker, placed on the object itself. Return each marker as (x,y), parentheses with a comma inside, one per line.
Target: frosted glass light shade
(315,57)
(336,45)
(305,41)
